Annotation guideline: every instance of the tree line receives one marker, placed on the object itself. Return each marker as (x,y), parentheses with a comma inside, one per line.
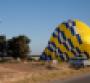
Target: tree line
(16,47)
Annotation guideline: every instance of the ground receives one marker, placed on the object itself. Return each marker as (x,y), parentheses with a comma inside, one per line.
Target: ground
(35,72)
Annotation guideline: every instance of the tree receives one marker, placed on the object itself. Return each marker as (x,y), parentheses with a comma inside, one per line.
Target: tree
(2,46)
(19,47)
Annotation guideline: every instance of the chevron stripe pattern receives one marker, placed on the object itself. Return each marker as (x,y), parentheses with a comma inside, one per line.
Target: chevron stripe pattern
(68,40)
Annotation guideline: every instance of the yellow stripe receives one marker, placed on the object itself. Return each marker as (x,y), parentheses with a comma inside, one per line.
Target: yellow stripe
(75,41)
(54,40)
(67,32)
(70,54)
(62,48)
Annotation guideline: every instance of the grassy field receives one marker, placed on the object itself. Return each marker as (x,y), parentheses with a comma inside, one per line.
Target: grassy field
(35,72)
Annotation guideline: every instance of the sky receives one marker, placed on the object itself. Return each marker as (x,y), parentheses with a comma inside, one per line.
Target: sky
(38,18)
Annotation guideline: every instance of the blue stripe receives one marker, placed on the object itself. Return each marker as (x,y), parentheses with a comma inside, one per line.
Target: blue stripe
(59,40)
(72,31)
(61,56)
(73,52)
(51,46)
(67,24)
(50,49)
(59,51)
(52,43)
(70,43)
(65,45)
(72,22)
(79,38)
(78,50)
(44,56)
(54,35)
(63,35)
(56,31)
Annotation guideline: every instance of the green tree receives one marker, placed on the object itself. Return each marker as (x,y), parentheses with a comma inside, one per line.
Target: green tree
(19,47)
(2,46)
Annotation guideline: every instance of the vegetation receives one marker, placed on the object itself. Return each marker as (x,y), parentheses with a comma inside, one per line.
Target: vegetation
(16,47)
(2,46)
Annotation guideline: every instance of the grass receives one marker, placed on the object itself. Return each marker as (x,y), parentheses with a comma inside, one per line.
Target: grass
(39,73)
(49,75)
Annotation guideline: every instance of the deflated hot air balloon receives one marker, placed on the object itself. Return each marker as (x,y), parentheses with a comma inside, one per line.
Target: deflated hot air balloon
(69,39)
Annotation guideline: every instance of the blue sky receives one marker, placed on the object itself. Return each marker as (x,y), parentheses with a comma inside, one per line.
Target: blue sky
(38,18)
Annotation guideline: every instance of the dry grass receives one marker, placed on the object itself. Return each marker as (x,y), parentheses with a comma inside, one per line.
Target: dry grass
(36,73)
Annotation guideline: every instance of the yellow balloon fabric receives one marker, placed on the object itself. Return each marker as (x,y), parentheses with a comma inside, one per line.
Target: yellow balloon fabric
(84,31)
(69,39)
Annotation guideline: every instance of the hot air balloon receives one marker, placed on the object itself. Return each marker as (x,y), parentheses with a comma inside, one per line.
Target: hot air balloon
(70,39)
